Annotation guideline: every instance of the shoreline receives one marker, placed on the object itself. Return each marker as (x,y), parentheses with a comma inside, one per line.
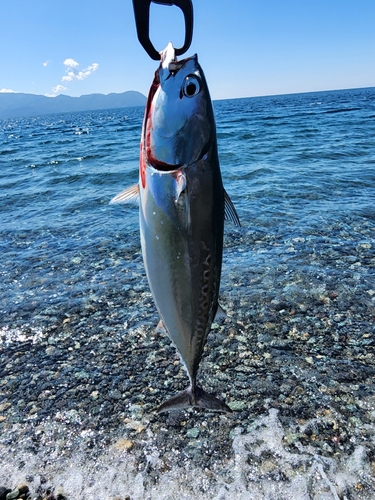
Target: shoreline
(88,385)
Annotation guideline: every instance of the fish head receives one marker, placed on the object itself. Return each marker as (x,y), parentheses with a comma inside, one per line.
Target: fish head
(179,121)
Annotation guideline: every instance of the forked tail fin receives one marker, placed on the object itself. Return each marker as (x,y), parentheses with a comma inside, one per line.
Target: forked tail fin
(196,398)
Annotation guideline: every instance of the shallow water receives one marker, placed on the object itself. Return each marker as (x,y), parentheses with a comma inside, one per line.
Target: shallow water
(82,368)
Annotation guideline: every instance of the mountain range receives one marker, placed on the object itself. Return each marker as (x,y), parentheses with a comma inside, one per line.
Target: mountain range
(13,105)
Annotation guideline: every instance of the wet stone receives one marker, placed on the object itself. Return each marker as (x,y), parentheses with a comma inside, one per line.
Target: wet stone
(3,492)
(13,494)
(192,433)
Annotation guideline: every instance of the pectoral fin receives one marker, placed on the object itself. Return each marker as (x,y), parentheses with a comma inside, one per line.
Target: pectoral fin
(230,213)
(129,195)
(180,184)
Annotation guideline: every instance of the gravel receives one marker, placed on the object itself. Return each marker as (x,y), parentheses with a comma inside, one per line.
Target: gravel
(296,352)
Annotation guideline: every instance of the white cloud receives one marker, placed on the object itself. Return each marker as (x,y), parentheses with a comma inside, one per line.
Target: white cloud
(74,74)
(58,88)
(93,67)
(70,63)
(8,91)
(69,77)
(46,63)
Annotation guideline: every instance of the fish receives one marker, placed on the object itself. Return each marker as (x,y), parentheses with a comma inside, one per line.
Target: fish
(182,207)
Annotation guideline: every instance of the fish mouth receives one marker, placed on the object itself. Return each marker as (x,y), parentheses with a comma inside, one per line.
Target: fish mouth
(162,166)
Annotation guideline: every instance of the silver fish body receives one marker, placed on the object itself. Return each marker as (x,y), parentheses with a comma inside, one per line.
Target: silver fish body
(183,259)
(182,210)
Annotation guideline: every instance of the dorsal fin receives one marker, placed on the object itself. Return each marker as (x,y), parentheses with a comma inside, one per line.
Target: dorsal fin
(230,212)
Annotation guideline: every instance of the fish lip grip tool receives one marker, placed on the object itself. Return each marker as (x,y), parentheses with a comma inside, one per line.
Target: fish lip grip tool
(142,21)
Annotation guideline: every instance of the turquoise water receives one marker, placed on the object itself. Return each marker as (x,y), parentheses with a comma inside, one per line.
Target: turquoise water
(80,367)
(292,164)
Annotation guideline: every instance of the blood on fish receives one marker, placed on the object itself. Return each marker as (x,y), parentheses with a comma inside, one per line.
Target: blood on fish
(142,167)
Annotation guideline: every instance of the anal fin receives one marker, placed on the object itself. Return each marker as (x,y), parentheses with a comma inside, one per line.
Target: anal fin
(220,313)
(160,327)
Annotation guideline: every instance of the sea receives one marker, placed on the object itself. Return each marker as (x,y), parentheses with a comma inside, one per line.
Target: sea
(81,369)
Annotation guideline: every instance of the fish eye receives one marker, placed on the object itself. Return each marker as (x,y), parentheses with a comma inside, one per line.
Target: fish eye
(191,86)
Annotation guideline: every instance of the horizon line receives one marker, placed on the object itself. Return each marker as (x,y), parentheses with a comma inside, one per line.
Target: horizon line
(6,91)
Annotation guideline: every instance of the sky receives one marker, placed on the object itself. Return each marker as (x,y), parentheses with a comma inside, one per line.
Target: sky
(245,47)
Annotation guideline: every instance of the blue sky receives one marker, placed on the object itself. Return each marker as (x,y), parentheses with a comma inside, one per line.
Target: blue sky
(246,47)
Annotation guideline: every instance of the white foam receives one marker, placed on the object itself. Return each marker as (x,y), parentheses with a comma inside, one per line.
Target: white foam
(14,335)
(262,468)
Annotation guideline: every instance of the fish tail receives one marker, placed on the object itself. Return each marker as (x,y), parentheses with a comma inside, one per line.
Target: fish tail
(194,397)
